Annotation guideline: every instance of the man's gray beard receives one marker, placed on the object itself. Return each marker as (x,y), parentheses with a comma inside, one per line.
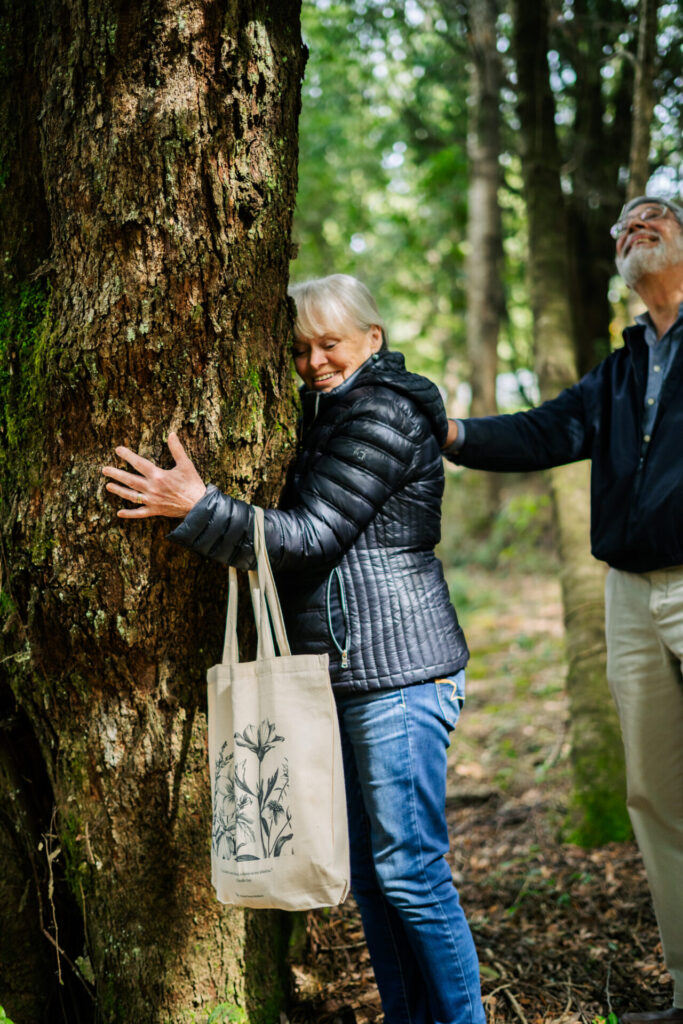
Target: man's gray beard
(648,259)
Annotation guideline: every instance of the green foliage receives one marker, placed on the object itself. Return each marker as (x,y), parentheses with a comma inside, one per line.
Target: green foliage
(667,126)
(4,1019)
(383,170)
(611,1018)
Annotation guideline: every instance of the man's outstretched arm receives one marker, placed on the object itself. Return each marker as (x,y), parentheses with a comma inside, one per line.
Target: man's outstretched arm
(557,432)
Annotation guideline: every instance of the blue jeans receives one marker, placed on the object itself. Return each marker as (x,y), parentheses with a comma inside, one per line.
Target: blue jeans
(394,745)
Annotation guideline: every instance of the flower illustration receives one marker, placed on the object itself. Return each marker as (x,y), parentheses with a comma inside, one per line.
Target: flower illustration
(250,812)
(264,740)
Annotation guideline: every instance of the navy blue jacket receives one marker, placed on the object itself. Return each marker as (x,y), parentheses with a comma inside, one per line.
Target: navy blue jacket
(636,485)
(352,545)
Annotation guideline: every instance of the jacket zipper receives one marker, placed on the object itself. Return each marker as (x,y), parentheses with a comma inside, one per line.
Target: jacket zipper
(344,651)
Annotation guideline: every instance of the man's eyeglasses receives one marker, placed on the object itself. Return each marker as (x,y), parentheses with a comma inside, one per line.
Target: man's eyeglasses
(653,211)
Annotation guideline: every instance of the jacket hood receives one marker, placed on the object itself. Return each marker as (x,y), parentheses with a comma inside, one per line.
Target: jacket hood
(385,369)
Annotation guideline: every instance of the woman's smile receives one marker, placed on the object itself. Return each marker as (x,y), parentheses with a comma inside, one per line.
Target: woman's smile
(322,379)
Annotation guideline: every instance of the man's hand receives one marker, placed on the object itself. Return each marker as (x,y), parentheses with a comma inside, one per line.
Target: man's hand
(452,435)
(155,491)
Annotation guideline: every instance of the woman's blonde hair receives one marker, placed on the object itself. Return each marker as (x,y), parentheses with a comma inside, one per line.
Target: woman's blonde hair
(326,302)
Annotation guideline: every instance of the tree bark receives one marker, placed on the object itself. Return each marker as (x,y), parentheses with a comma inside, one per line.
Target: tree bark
(643,99)
(596,151)
(485,294)
(485,300)
(598,804)
(148,235)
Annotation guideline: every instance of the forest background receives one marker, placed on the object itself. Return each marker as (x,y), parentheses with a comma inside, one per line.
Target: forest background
(467,160)
(464,159)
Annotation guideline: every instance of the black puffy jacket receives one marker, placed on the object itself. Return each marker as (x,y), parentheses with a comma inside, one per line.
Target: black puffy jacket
(352,545)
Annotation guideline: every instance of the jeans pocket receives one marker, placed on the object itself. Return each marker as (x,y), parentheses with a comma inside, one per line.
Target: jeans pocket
(450,693)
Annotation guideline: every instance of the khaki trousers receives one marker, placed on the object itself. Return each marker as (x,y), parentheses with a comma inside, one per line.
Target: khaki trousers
(644,625)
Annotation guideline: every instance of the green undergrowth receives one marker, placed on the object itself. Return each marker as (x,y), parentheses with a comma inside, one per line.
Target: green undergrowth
(497,521)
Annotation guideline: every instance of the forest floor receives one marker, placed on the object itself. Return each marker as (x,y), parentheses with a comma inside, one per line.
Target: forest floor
(564,934)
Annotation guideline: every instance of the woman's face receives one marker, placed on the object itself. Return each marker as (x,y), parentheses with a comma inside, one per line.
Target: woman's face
(324,361)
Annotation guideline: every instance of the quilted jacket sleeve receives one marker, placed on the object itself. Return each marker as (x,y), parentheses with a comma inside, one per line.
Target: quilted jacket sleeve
(366,458)
(557,432)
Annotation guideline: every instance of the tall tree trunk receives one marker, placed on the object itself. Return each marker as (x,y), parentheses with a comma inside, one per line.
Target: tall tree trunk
(485,301)
(643,99)
(598,808)
(149,159)
(485,295)
(599,149)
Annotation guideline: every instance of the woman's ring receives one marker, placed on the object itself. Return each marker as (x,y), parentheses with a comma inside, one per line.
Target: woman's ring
(139,498)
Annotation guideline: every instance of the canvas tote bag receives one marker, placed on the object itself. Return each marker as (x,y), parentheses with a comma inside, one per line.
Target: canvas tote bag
(279,835)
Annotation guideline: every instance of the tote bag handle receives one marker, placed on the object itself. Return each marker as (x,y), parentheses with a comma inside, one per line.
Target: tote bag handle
(265,602)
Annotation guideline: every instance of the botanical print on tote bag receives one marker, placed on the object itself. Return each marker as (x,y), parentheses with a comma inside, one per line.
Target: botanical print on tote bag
(251,816)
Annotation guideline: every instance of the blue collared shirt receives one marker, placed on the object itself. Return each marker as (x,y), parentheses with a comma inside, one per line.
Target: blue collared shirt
(660,356)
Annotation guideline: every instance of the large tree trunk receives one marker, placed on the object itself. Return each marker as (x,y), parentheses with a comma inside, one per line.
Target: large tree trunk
(150,173)
(599,149)
(485,300)
(485,295)
(599,810)
(643,99)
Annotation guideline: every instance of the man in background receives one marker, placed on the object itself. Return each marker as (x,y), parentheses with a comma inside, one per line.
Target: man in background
(626,415)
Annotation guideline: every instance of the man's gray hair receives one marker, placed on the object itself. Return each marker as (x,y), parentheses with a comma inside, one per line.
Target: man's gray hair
(672,204)
(325,303)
